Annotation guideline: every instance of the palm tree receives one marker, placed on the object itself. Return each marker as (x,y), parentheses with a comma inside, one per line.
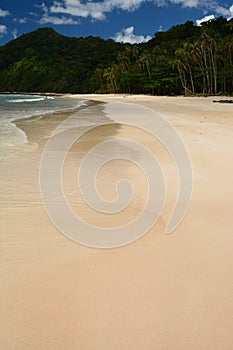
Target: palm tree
(99,72)
(144,62)
(184,55)
(123,61)
(110,75)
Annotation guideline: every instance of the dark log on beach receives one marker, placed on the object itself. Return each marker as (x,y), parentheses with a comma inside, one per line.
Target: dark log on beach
(224,101)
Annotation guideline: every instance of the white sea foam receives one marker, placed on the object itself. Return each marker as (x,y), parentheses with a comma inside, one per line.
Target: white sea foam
(30,100)
(15,107)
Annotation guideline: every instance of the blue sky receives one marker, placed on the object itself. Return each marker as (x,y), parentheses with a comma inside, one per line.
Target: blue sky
(124,20)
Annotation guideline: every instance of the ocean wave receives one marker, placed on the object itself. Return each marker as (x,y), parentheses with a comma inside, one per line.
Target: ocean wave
(22,100)
(10,113)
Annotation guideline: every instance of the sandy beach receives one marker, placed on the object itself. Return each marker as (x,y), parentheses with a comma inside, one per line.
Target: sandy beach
(162,292)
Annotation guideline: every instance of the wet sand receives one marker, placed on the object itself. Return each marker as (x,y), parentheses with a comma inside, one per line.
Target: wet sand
(163,292)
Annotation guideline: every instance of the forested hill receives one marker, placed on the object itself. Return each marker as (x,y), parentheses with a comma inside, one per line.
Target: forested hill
(184,60)
(47,61)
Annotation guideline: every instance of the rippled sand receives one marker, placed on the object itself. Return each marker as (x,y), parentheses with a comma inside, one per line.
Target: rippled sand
(162,292)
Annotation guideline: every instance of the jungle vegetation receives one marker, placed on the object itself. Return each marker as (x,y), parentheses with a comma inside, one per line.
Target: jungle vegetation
(186,59)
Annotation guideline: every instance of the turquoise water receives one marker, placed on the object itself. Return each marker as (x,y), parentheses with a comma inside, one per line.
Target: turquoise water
(14,107)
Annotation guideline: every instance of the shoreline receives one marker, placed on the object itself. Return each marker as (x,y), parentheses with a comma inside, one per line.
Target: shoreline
(172,291)
(49,93)
(91,99)
(50,115)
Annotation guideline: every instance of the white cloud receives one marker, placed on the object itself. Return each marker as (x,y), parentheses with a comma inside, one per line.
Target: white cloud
(213,5)
(3,30)
(225,12)
(231,12)
(205,19)
(14,33)
(4,13)
(222,11)
(57,20)
(219,10)
(20,20)
(127,36)
(161,3)
(46,18)
(187,3)
(98,10)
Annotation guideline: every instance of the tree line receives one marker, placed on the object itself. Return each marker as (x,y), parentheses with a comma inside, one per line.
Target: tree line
(186,59)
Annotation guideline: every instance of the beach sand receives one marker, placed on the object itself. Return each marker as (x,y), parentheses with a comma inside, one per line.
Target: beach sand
(162,292)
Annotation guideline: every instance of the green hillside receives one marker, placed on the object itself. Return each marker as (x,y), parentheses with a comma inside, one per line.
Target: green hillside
(185,59)
(47,61)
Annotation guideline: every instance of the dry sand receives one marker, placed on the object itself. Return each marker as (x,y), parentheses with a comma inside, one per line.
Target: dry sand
(160,293)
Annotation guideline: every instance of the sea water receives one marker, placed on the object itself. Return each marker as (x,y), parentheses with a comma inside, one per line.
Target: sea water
(14,107)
